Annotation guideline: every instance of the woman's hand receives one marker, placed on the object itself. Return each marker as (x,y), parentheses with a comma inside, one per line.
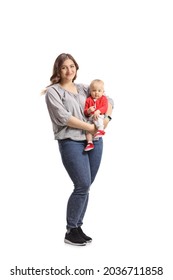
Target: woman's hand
(96,115)
(92,129)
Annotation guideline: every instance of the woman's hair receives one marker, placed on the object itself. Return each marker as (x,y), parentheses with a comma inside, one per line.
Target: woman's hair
(55,78)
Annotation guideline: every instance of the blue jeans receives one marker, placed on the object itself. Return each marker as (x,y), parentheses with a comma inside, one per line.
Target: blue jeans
(82,168)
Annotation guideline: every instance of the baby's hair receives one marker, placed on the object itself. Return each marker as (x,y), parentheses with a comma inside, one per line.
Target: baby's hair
(96,80)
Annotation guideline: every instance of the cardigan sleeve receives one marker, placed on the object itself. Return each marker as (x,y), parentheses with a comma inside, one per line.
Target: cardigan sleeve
(56,108)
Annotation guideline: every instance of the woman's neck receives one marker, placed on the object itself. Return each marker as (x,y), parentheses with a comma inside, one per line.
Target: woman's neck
(66,83)
(69,86)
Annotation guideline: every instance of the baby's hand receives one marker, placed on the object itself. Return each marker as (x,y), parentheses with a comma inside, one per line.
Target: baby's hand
(91,109)
(96,115)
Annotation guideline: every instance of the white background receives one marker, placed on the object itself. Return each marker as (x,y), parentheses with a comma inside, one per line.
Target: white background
(129,45)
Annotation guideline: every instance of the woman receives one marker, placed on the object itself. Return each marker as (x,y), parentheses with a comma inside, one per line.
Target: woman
(65,102)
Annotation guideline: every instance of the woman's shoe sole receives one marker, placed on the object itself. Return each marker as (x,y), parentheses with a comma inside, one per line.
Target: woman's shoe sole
(76,244)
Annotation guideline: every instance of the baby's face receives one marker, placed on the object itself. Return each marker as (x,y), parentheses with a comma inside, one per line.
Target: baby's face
(97,90)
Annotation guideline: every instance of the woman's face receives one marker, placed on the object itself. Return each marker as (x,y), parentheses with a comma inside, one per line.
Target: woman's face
(68,70)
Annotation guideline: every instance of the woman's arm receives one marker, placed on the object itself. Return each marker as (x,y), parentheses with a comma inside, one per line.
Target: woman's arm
(76,123)
(108,113)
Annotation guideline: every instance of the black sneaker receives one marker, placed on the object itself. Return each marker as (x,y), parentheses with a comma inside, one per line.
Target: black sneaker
(74,238)
(84,236)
